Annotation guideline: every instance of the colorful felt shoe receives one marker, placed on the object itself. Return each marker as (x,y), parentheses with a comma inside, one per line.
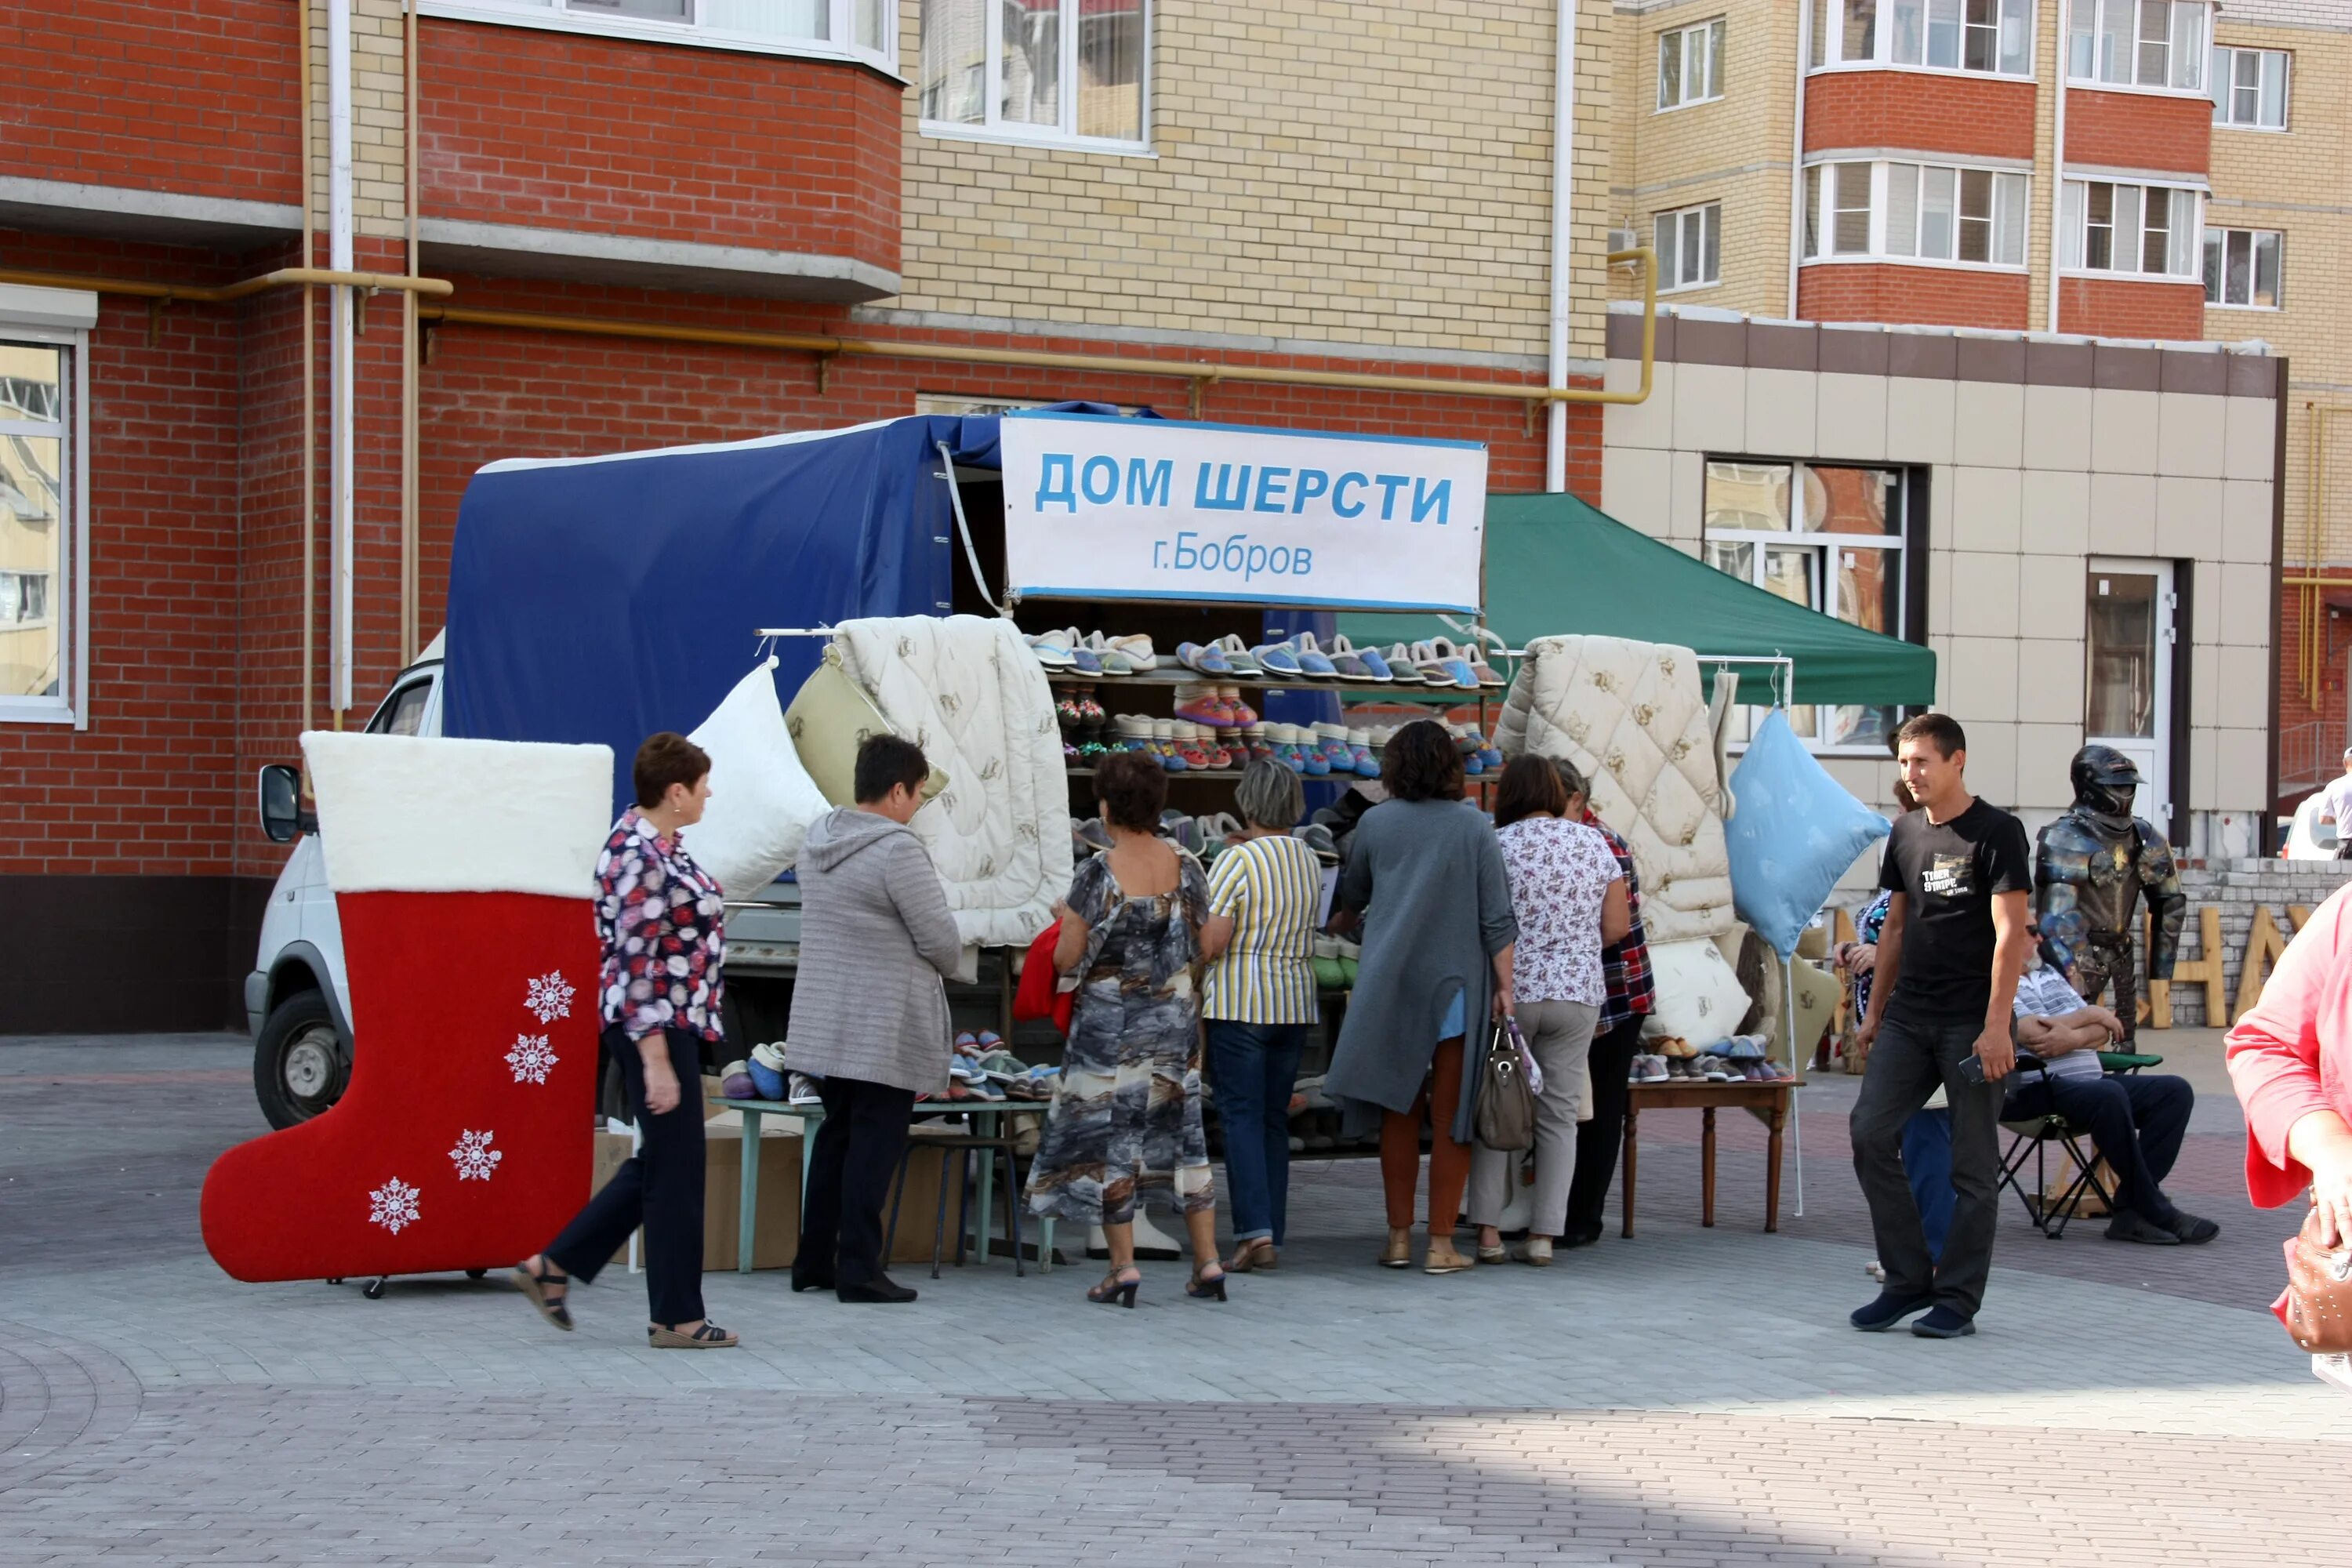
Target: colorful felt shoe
(1312,659)
(1138,649)
(1186,737)
(1163,745)
(1084,661)
(1239,712)
(1369,659)
(1237,654)
(1208,661)
(1107,655)
(1359,751)
(1253,742)
(1278,659)
(1050,651)
(1441,664)
(1201,705)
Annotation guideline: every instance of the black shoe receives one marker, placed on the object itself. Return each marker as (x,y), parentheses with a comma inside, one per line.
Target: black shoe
(810,1280)
(1887,1311)
(2189,1228)
(1580,1236)
(2127,1226)
(876,1292)
(1943,1323)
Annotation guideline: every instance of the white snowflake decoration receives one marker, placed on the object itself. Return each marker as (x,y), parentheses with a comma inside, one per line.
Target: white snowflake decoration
(474,1157)
(393,1205)
(530,1059)
(549,997)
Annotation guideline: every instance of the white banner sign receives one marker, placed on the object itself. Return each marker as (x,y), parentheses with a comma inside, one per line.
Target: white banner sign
(1099,507)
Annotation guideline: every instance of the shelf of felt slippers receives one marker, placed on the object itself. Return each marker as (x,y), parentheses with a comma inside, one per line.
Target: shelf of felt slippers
(1401,689)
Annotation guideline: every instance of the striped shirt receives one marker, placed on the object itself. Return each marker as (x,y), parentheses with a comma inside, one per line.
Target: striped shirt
(1272,888)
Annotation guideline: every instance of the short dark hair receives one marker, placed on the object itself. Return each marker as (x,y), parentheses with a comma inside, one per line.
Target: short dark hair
(884,762)
(1531,786)
(1421,763)
(1130,789)
(1939,728)
(1571,777)
(666,759)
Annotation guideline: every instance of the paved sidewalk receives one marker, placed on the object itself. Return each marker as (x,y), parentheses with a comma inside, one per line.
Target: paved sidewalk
(1691,1396)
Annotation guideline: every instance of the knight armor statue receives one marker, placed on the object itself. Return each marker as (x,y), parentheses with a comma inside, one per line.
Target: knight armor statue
(2091,868)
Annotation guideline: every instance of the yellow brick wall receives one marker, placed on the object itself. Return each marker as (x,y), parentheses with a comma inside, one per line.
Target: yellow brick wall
(1374,173)
(1736,151)
(379,126)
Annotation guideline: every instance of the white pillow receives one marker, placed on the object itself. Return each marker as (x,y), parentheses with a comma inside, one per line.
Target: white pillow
(763,801)
(1699,995)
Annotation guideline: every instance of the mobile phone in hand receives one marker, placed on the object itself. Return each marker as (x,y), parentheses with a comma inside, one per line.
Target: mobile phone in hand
(1972,1069)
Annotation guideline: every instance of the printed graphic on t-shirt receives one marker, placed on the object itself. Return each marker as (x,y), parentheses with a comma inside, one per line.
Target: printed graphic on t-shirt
(1949,877)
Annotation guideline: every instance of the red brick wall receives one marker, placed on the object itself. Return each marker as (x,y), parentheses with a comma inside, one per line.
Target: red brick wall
(520,127)
(2119,308)
(2138,131)
(1928,296)
(1980,116)
(198,98)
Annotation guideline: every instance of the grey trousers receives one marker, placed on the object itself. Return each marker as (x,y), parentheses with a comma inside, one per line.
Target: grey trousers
(1907,1061)
(1560,1035)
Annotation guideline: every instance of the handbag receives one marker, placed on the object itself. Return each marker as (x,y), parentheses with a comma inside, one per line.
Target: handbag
(1039,995)
(2318,1304)
(1506,1117)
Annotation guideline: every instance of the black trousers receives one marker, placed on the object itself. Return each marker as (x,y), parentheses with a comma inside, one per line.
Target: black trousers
(1597,1139)
(857,1154)
(2135,1119)
(660,1187)
(1908,1059)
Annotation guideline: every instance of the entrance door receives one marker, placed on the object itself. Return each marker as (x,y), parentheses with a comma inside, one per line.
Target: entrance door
(2128,674)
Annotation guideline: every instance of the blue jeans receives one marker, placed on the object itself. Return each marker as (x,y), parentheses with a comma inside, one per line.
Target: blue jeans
(1252,1067)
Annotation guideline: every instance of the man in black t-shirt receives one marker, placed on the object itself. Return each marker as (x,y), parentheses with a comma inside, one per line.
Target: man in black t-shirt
(1955,939)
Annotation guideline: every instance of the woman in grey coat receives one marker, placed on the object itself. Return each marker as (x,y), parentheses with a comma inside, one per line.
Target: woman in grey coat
(1426,875)
(869,1013)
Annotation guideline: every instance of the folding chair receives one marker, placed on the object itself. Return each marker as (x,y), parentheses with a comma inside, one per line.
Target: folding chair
(2032,1136)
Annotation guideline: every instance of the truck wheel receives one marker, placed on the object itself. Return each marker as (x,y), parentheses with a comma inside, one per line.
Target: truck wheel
(299,1064)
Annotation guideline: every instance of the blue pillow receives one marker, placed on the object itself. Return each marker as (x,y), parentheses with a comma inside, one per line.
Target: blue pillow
(1793,834)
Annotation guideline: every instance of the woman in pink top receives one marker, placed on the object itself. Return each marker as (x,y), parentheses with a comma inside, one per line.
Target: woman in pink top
(2291,1061)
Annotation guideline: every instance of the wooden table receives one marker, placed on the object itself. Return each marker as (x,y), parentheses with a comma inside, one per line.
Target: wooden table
(1767,1102)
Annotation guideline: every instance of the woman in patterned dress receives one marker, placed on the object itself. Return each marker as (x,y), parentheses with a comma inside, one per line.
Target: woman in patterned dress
(1125,1125)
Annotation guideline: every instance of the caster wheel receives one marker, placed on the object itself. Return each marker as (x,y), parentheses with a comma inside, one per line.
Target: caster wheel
(477,1273)
(374,1290)
(336,1281)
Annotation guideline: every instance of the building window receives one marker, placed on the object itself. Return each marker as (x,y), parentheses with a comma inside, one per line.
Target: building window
(2248,88)
(864,29)
(1933,212)
(1690,65)
(1690,246)
(2148,230)
(2242,266)
(1992,37)
(39,542)
(1065,71)
(1828,538)
(2138,42)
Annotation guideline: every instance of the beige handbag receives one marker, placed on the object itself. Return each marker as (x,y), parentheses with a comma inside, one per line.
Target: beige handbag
(829,718)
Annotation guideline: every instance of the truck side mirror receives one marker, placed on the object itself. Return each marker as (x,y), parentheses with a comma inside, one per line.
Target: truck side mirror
(283,814)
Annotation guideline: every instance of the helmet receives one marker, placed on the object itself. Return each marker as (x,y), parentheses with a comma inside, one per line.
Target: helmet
(2105,780)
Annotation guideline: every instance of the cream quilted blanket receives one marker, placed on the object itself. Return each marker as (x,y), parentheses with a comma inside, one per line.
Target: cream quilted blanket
(966,689)
(1632,716)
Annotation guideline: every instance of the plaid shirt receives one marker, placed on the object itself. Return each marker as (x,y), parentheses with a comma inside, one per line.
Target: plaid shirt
(1624,963)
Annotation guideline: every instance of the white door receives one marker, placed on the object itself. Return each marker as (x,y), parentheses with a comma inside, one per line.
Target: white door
(2129,629)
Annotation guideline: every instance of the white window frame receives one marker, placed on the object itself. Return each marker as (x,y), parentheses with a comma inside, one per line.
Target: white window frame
(994,128)
(1821,214)
(1696,216)
(2254,238)
(1712,42)
(2221,77)
(2012,18)
(70,598)
(2101,12)
(2075,223)
(559,17)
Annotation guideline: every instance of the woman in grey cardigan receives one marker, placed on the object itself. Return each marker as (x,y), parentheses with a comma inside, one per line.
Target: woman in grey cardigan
(1426,875)
(869,1013)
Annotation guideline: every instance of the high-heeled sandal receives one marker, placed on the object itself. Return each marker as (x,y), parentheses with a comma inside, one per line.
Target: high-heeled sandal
(1256,1256)
(1114,1290)
(1209,1289)
(534,1284)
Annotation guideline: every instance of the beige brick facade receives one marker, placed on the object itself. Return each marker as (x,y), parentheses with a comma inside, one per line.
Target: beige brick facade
(379,122)
(1365,174)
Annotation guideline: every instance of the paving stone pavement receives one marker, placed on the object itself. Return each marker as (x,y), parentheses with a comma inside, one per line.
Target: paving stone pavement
(1687,1397)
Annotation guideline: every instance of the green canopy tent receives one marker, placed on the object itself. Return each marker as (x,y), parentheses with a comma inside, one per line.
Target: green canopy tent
(1556,567)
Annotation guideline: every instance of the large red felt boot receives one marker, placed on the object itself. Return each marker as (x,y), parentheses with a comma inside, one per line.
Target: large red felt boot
(464,874)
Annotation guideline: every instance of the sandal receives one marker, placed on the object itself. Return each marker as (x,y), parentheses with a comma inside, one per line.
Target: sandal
(708,1337)
(534,1284)
(1446,1262)
(1116,1287)
(1254,1256)
(1206,1286)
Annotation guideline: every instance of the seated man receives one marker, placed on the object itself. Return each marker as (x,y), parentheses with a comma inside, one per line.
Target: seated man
(2135,1120)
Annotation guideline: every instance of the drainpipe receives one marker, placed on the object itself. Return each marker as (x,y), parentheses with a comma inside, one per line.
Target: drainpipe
(340,415)
(408,372)
(1563,169)
(2057,172)
(310,400)
(1797,154)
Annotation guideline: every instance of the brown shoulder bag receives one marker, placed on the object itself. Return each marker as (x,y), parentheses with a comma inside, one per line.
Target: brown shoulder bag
(2319,1291)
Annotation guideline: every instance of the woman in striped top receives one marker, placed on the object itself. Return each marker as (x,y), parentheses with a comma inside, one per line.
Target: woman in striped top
(1259,1000)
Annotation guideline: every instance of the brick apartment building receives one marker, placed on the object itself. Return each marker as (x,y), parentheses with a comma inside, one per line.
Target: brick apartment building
(611,224)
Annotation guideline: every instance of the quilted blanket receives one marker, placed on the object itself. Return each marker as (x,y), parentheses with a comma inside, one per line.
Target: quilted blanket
(1632,717)
(966,689)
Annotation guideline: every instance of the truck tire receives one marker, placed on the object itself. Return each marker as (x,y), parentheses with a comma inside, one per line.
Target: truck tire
(300,1066)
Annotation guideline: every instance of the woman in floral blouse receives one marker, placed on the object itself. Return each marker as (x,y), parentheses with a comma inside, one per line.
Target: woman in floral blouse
(1571,902)
(659,915)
